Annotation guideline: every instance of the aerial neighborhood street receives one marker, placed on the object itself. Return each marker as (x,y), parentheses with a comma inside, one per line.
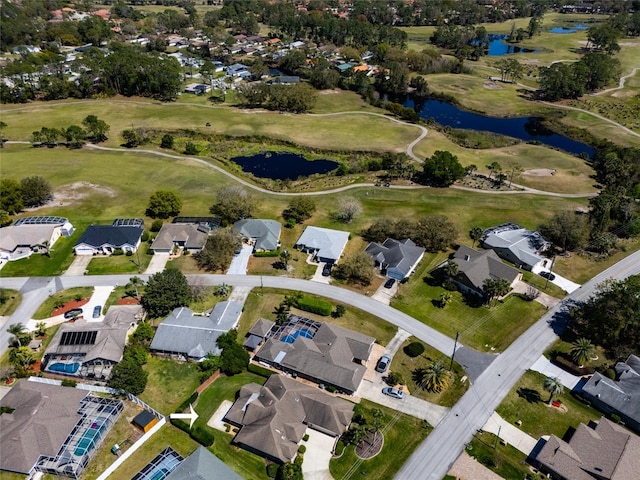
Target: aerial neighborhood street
(319,240)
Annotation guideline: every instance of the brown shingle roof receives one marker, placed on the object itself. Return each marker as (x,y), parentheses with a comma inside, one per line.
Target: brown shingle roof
(476,267)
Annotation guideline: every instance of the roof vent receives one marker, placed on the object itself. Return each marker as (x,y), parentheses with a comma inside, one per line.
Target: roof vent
(467,258)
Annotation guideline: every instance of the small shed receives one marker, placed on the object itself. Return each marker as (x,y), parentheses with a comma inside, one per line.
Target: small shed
(145,420)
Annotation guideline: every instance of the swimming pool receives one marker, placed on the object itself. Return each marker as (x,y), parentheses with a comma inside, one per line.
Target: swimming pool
(90,438)
(291,337)
(64,367)
(161,466)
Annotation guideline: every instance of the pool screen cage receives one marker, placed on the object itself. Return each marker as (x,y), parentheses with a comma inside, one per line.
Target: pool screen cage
(98,415)
(161,466)
(293,324)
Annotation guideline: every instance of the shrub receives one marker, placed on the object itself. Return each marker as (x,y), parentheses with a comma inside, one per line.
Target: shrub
(331,389)
(129,253)
(302,449)
(145,236)
(189,401)
(258,370)
(117,252)
(314,305)
(156,225)
(272,470)
(69,383)
(339,448)
(268,253)
(306,437)
(76,297)
(614,417)
(191,149)
(203,436)
(414,349)
(610,373)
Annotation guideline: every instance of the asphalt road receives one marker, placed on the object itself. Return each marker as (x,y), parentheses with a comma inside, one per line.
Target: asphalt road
(436,454)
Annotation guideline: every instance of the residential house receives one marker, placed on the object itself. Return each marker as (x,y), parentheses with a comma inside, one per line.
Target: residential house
(621,396)
(475,267)
(237,69)
(191,335)
(197,88)
(189,236)
(517,245)
(597,451)
(325,244)
(123,234)
(319,352)
(90,349)
(262,234)
(274,417)
(397,258)
(257,334)
(286,79)
(202,465)
(32,235)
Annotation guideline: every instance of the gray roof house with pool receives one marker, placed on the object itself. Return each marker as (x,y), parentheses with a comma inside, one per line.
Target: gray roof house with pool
(475,267)
(397,257)
(203,465)
(517,245)
(621,396)
(190,236)
(90,349)
(327,245)
(263,234)
(194,335)
(319,352)
(274,417)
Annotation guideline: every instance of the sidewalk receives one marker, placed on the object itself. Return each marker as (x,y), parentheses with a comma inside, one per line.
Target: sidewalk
(510,433)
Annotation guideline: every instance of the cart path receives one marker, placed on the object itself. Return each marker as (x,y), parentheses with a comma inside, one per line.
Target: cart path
(620,84)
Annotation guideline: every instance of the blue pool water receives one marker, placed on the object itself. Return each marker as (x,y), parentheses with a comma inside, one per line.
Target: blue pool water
(304,332)
(64,367)
(89,439)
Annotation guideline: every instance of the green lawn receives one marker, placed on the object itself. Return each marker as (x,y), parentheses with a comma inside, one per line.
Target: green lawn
(405,365)
(483,328)
(60,298)
(115,264)
(527,401)
(13,299)
(504,460)
(169,384)
(402,435)
(262,302)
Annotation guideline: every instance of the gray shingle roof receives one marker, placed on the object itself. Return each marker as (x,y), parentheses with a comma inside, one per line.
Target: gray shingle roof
(274,416)
(622,395)
(524,244)
(328,243)
(192,236)
(195,335)
(331,356)
(398,254)
(43,418)
(98,236)
(265,233)
(603,450)
(25,235)
(476,267)
(261,327)
(203,465)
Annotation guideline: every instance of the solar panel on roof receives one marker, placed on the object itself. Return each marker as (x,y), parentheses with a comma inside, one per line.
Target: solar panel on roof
(79,338)
(128,222)
(41,220)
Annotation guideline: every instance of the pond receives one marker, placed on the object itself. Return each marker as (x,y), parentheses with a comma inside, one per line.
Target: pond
(524,128)
(499,46)
(574,29)
(283,166)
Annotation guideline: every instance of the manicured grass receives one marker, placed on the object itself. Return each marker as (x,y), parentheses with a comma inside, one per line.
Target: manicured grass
(11,476)
(114,264)
(246,464)
(262,302)
(543,285)
(14,298)
(119,292)
(564,345)
(405,365)
(537,417)
(483,328)
(169,384)
(402,435)
(505,460)
(60,298)
(41,265)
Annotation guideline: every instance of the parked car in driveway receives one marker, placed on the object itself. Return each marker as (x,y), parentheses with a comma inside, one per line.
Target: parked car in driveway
(389,283)
(73,313)
(383,363)
(393,392)
(97,310)
(548,275)
(326,270)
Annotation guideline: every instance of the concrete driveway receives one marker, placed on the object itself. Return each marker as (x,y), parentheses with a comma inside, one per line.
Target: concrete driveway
(510,433)
(240,261)
(157,263)
(99,298)
(79,265)
(385,295)
(545,367)
(315,465)
(317,276)
(564,283)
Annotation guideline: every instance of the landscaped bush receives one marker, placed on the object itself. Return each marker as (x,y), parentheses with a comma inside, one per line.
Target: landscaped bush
(610,373)
(571,367)
(272,470)
(117,252)
(69,383)
(414,349)
(314,305)
(268,253)
(156,225)
(339,448)
(189,401)
(302,449)
(258,370)
(331,389)
(306,437)
(203,436)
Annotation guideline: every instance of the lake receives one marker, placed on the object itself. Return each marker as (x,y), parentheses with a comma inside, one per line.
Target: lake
(283,166)
(499,46)
(564,30)
(524,128)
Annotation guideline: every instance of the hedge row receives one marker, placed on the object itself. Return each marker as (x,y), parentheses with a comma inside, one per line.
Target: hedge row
(202,435)
(189,401)
(314,305)
(267,253)
(258,370)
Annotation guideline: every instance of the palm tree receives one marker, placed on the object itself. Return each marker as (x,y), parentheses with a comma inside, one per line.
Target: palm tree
(475,234)
(41,329)
(554,386)
(434,378)
(582,351)
(445,299)
(17,330)
(21,358)
(285,256)
(451,268)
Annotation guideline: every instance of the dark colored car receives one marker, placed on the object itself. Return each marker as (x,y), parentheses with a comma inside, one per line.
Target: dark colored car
(383,363)
(73,313)
(393,392)
(389,283)
(548,275)
(97,310)
(326,270)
